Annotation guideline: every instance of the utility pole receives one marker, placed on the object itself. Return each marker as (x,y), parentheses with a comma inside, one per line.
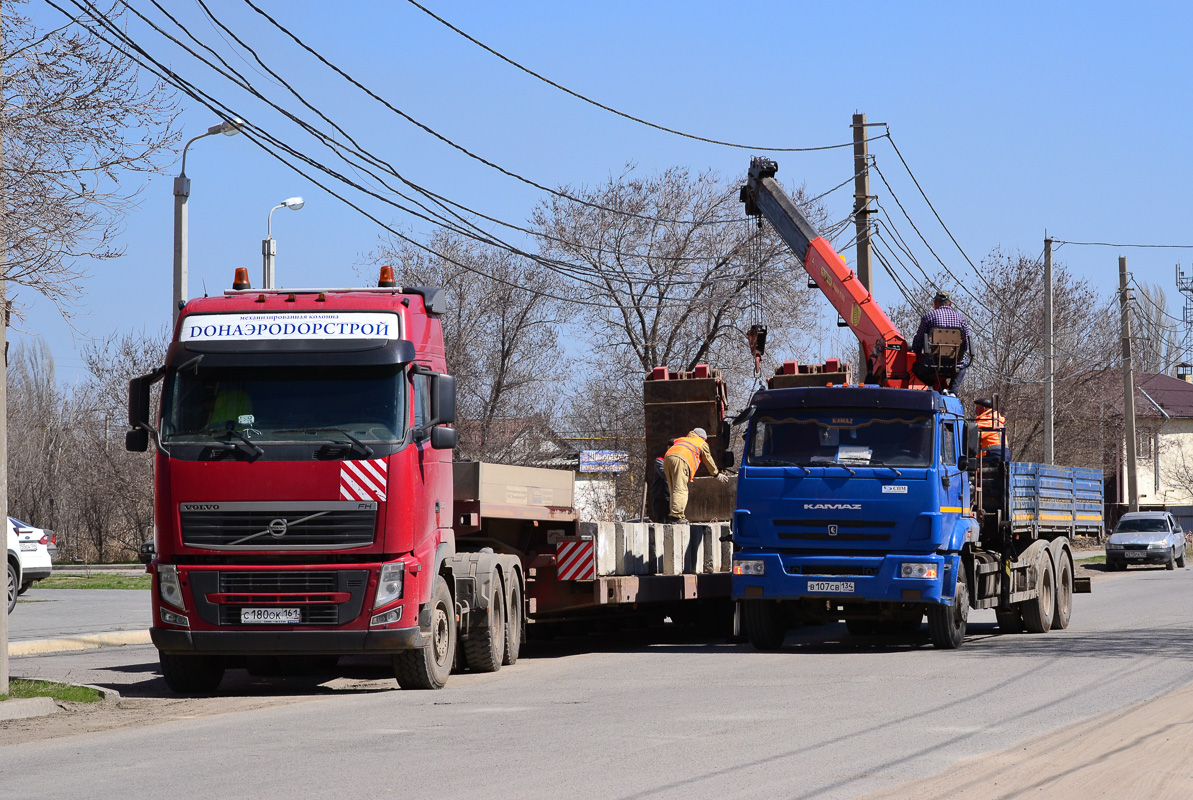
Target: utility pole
(1049,405)
(1124,301)
(862,210)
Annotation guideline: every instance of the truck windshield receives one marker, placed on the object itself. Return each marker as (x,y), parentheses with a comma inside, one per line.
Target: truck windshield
(810,438)
(285,404)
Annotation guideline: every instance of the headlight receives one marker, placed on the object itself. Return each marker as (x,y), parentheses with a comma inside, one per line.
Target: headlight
(749,567)
(389,588)
(1158,546)
(910,570)
(170,618)
(1113,546)
(168,585)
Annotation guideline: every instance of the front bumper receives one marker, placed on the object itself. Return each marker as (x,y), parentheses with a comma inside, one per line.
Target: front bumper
(875,580)
(1147,557)
(276,643)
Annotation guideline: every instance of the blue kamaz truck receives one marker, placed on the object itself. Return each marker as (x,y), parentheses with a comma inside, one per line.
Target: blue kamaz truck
(872,503)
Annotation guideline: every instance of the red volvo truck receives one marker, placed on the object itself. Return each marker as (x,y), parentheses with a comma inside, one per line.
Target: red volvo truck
(307,506)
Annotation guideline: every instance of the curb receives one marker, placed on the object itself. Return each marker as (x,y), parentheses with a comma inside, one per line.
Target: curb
(26,707)
(88,642)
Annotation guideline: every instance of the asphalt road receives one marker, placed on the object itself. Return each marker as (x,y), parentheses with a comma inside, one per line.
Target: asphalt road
(831,716)
(55,613)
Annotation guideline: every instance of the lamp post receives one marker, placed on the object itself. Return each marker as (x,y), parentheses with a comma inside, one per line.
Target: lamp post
(269,248)
(182,191)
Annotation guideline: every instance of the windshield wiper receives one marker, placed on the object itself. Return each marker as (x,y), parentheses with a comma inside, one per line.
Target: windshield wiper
(250,448)
(832,464)
(888,466)
(357,444)
(773,462)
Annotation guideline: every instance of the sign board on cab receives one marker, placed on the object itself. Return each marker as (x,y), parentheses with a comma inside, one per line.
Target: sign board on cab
(293,325)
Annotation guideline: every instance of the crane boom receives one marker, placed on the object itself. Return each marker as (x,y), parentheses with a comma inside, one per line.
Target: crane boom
(889,356)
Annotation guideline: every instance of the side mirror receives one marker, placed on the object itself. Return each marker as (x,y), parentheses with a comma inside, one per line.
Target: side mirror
(146,553)
(443,400)
(728,459)
(138,402)
(973,439)
(967,464)
(136,441)
(443,438)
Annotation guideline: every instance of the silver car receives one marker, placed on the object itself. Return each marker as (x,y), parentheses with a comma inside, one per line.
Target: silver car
(1146,537)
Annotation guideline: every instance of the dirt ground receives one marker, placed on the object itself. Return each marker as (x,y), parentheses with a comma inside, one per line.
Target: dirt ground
(1137,753)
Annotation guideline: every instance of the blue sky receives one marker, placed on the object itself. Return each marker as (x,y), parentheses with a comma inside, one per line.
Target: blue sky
(1017,118)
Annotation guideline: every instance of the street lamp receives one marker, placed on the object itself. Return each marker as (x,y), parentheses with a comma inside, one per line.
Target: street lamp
(269,248)
(182,191)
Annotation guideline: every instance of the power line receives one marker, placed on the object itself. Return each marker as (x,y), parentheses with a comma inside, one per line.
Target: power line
(1113,244)
(623,114)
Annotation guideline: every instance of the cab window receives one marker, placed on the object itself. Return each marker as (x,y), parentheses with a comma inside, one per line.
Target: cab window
(948,444)
(422,401)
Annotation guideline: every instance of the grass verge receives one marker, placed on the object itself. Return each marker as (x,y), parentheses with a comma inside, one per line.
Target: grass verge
(1092,560)
(18,688)
(96,582)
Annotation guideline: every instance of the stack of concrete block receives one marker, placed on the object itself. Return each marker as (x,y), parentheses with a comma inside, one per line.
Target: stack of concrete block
(641,548)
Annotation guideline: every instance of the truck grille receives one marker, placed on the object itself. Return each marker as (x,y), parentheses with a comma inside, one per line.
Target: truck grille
(830,570)
(278,526)
(323,597)
(281,581)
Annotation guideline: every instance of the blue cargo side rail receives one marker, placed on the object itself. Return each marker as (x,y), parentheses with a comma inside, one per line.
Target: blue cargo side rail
(1048,500)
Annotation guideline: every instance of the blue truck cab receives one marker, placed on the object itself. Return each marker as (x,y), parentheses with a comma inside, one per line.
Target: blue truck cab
(857,503)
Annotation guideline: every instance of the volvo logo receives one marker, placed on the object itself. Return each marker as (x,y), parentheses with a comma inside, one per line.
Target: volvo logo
(832,530)
(277,528)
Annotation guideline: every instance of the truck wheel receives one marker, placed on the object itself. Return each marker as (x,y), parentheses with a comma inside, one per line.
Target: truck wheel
(428,667)
(1171,559)
(484,648)
(514,623)
(1063,611)
(765,626)
(191,674)
(946,624)
(1009,621)
(1037,612)
(12,587)
(1180,562)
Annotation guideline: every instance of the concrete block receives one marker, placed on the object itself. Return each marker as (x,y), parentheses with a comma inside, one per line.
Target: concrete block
(632,545)
(712,550)
(726,548)
(606,546)
(654,549)
(673,548)
(693,556)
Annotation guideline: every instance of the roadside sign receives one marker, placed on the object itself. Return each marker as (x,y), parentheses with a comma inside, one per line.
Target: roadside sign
(604,461)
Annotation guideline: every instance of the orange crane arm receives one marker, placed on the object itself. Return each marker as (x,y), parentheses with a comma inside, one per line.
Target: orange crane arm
(889,356)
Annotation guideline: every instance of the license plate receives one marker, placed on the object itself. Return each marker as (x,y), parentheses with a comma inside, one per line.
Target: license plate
(831,587)
(1135,554)
(270,616)
(28,545)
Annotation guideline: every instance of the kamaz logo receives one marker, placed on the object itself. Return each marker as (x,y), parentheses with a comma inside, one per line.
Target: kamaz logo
(832,506)
(200,506)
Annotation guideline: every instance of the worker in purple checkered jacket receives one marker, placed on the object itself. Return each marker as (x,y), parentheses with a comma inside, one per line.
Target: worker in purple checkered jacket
(943,315)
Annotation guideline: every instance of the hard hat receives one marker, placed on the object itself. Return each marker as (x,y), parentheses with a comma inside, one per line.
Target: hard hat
(984,402)
(700,432)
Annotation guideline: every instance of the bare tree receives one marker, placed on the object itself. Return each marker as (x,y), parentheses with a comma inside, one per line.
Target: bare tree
(669,272)
(1156,348)
(501,336)
(78,119)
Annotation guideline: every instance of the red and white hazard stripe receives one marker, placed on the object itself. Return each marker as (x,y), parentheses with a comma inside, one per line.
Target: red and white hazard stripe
(363,480)
(575,560)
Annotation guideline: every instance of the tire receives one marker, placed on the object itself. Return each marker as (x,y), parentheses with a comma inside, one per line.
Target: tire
(946,624)
(1062,610)
(765,627)
(191,674)
(1009,621)
(862,627)
(515,623)
(1037,612)
(1180,562)
(13,582)
(428,667)
(1171,563)
(484,649)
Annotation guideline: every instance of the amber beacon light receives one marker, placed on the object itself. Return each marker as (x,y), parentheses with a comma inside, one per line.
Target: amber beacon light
(386,281)
(241,279)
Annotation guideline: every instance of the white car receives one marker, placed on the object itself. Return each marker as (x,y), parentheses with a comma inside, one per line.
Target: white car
(34,548)
(13,561)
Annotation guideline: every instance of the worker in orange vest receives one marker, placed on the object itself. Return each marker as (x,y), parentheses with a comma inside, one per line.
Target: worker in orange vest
(679,466)
(992,426)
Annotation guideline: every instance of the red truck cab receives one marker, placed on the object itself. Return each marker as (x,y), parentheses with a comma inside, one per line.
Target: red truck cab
(303,502)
